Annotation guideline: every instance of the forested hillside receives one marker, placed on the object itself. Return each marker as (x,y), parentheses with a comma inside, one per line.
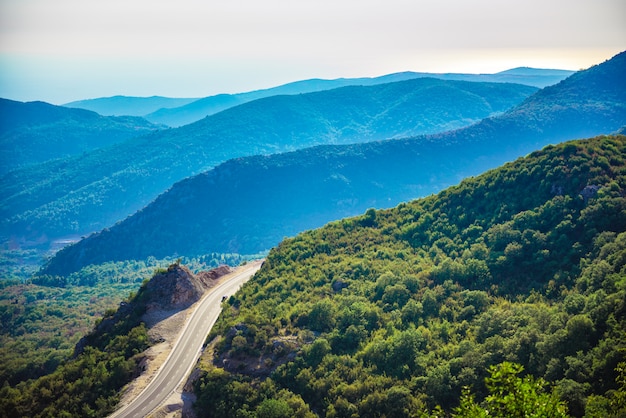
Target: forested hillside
(248,205)
(83,194)
(35,132)
(393,312)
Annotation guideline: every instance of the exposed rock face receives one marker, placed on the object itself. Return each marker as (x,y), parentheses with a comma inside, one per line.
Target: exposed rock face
(590,191)
(165,294)
(178,288)
(208,277)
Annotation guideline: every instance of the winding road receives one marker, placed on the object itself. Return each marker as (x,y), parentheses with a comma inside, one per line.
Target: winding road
(187,348)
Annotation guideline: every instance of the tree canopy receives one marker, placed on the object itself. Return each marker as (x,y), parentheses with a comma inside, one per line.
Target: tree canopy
(395,312)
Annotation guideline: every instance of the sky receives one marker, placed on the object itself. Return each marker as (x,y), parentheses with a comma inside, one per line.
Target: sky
(64,50)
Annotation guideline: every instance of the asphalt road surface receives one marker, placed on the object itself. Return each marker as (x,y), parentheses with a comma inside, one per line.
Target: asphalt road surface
(187,349)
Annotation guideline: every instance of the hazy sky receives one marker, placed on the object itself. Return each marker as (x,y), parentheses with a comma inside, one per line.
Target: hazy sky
(63,50)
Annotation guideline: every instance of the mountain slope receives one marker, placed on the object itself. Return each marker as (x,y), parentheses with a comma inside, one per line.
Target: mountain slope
(34,132)
(398,310)
(76,196)
(209,105)
(250,204)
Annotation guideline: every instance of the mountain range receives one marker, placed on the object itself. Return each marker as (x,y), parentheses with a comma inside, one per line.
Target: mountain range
(35,132)
(249,204)
(178,112)
(86,193)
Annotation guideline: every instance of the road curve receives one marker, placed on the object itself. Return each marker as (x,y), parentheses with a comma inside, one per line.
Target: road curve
(187,348)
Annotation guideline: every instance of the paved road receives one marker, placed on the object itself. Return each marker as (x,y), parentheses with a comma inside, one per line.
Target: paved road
(187,349)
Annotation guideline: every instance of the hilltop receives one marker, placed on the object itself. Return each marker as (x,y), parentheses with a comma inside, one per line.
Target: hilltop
(271,197)
(79,195)
(35,132)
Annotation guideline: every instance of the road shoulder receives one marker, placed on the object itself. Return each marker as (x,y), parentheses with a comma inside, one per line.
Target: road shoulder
(167,327)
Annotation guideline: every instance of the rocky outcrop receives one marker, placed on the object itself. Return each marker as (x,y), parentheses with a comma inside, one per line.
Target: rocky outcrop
(590,191)
(178,288)
(167,293)
(209,277)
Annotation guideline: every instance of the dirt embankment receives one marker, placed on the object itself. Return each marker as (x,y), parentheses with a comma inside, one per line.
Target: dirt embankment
(172,296)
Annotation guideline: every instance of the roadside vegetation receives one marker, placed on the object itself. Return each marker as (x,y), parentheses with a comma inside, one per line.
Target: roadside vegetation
(43,320)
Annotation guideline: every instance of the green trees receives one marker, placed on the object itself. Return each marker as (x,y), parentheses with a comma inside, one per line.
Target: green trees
(41,325)
(501,269)
(224,395)
(88,383)
(85,386)
(511,396)
(396,313)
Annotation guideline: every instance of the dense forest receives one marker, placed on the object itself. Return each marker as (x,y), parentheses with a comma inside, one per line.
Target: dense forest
(87,385)
(503,295)
(511,282)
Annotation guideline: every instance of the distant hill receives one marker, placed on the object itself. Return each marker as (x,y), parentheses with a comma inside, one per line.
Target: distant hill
(201,108)
(177,112)
(250,204)
(35,132)
(80,195)
(128,105)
